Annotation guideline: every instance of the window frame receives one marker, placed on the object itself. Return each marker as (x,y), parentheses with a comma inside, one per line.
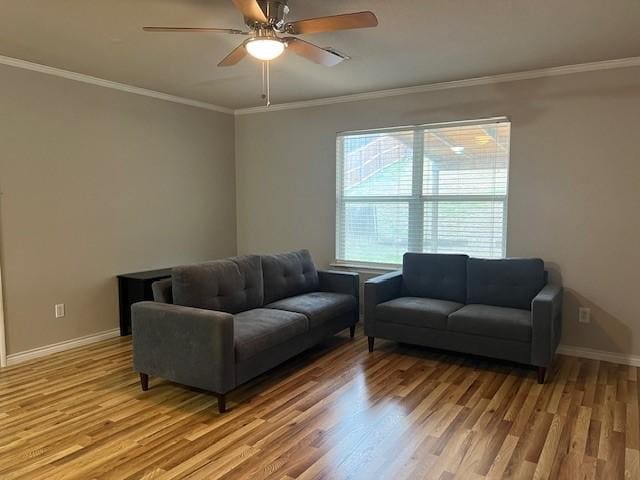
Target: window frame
(417,200)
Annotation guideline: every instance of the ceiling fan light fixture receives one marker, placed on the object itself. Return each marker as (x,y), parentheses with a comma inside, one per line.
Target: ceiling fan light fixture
(265,48)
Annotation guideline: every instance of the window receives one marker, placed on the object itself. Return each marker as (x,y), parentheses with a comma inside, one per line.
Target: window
(435,188)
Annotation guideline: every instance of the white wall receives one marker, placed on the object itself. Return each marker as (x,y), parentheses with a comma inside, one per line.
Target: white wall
(97,182)
(574,183)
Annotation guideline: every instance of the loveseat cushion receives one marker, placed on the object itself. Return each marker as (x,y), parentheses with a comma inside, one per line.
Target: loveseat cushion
(262,328)
(417,312)
(490,321)
(231,285)
(509,282)
(437,276)
(318,307)
(288,274)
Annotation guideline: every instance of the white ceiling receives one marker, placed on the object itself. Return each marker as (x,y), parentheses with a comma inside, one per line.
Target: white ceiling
(417,42)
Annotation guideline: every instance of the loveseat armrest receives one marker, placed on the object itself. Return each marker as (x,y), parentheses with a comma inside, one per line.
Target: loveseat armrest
(186,345)
(378,290)
(546,324)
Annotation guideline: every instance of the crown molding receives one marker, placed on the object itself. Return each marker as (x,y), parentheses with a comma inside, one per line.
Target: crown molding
(123,87)
(432,87)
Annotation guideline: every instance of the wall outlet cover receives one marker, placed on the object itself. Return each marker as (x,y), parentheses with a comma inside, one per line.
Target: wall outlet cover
(584,315)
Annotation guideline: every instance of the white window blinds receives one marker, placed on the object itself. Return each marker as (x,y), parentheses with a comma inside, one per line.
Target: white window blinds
(438,189)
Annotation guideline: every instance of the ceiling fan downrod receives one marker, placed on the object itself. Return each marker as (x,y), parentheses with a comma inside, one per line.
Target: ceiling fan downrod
(266,82)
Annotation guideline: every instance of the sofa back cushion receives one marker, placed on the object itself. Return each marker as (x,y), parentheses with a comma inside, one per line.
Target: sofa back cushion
(288,274)
(509,282)
(232,285)
(438,276)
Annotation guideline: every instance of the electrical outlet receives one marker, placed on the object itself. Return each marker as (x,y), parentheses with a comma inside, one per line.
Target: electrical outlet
(59,310)
(584,315)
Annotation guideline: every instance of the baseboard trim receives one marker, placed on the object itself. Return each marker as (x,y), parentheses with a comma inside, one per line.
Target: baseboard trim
(593,354)
(570,350)
(20,357)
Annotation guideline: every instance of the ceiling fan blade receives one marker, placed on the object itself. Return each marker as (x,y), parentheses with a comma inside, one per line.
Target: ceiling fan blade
(313,52)
(234,57)
(251,10)
(196,30)
(333,23)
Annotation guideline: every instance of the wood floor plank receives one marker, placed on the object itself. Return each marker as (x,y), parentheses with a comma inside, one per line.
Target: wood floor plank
(336,412)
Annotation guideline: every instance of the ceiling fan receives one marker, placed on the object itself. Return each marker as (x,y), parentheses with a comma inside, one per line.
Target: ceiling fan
(266,21)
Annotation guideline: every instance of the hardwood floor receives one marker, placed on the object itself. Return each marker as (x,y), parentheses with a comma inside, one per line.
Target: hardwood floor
(335,412)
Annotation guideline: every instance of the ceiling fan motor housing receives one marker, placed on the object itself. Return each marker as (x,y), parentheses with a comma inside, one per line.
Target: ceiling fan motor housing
(275,11)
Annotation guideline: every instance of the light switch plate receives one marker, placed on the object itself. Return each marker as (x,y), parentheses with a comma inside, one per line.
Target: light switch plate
(59,310)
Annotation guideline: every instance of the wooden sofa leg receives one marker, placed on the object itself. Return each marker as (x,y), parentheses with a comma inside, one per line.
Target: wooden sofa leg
(541,374)
(144,381)
(352,331)
(222,403)
(371,340)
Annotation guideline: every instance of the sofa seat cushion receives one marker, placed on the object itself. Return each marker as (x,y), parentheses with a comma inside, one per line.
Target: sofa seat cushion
(262,328)
(490,321)
(417,312)
(318,307)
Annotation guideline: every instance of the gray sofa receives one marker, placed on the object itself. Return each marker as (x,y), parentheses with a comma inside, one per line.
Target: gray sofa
(219,324)
(495,308)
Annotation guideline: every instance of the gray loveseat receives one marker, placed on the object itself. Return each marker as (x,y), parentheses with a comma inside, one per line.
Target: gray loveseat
(219,324)
(495,308)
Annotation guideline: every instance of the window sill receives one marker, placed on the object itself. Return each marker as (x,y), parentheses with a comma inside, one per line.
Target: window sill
(366,267)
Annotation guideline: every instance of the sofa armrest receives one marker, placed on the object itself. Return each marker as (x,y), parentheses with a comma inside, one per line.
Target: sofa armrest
(378,290)
(190,346)
(162,291)
(546,324)
(339,282)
